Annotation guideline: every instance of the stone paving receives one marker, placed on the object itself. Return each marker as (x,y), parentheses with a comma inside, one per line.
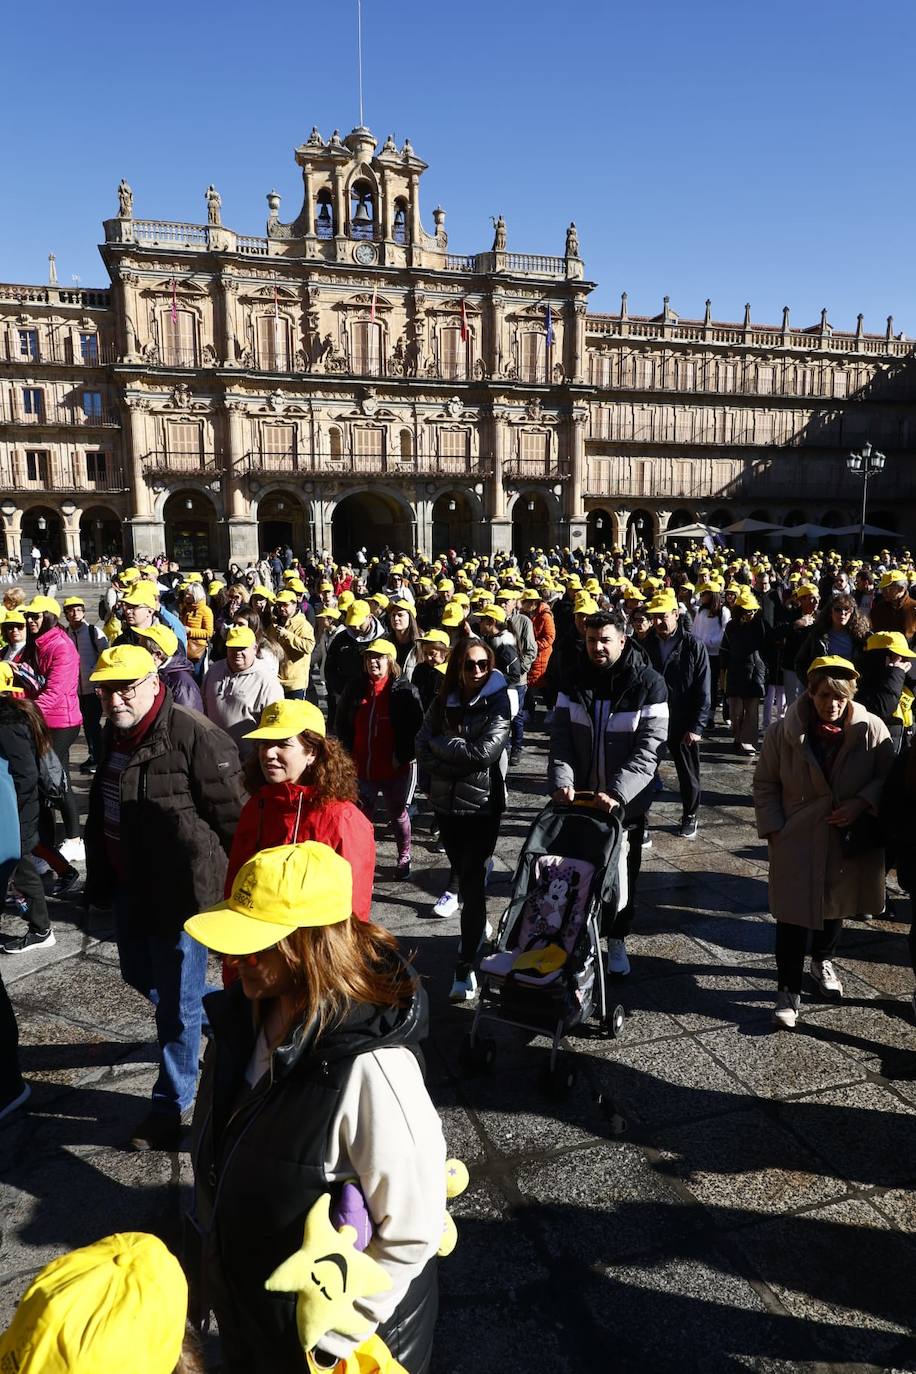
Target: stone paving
(711,1196)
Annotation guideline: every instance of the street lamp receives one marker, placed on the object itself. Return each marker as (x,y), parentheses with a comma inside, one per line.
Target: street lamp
(866,463)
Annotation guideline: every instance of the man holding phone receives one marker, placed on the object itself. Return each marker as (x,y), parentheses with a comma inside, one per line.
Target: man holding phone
(609,723)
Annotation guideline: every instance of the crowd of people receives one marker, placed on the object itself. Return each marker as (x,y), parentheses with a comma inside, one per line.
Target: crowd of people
(241,726)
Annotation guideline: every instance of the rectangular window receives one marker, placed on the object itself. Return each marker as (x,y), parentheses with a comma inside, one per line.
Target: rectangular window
(368,449)
(454,447)
(533,454)
(365,357)
(96,469)
(273,344)
(184,445)
(32,402)
(89,349)
(278,445)
(531,355)
(28,344)
(451,354)
(36,467)
(92,405)
(179,340)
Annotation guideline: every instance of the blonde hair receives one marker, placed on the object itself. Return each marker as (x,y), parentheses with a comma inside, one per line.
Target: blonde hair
(14,598)
(844,687)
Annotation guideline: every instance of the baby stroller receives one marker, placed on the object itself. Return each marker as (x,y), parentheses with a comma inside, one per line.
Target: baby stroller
(546,973)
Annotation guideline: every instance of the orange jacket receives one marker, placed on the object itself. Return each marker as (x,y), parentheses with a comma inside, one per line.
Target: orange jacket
(545,633)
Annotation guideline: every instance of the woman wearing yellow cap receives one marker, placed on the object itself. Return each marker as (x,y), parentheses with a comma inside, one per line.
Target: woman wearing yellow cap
(312,1083)
(742,658)
(197,618)
(819,779)
(377,719)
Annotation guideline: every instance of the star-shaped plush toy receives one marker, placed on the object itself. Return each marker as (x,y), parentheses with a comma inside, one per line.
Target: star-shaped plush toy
(329,1274)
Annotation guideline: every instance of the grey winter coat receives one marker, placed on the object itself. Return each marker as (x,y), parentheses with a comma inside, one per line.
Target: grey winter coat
(522,628)
(462,745)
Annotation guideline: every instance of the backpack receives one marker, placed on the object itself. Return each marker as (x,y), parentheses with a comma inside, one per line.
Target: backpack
(53,783)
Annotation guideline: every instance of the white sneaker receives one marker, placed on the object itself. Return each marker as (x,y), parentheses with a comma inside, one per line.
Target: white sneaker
(464,984)
(73,850)
(785,1013)
(617,961)
(446,906)
(826,977)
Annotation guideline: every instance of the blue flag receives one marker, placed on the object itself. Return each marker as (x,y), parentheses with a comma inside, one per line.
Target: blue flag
(549,326)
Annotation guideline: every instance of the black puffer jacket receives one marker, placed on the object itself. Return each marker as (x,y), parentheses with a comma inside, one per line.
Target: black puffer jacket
(742,656)
(879,690)
(259,1165)
(181,795)
(17,746)
(344,660)
(461,746)
(406,715)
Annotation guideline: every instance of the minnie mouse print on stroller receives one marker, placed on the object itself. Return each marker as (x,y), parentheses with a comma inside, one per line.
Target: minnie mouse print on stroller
(546,973)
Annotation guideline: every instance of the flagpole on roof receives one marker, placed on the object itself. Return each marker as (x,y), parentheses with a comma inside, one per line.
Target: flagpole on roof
(359,50)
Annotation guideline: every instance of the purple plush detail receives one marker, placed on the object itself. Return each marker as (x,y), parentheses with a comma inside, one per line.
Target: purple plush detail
(351,1210)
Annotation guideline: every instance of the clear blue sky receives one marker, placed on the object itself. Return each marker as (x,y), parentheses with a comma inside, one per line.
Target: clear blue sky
(721,148)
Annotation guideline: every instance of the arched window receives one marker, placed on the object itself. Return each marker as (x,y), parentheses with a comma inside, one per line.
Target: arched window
(399,227)
(335,445)
(362,211)
(324,214)
(366,350)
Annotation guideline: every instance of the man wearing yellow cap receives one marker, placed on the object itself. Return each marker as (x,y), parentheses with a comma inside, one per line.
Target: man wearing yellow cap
(684,664)
(237,688)
(294,637)
(344,660)
(163,808)
(90,642)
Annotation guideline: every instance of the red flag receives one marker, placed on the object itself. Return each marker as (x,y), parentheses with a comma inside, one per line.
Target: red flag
(464,322)
(374,298)
(174,311)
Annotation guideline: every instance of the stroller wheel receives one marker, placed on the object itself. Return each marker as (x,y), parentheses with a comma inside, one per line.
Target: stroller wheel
(476,1055)
(615,1021)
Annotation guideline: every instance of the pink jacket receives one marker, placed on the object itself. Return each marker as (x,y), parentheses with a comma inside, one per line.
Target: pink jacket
(57,659)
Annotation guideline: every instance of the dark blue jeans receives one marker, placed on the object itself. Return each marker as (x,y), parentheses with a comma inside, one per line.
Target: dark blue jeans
(171,970)
(10,1076)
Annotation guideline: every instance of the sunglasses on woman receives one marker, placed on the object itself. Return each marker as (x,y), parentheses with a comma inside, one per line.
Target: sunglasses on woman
(476,665)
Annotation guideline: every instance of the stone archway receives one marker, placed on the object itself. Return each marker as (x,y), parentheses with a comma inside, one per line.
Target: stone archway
(601,529)
(453,522)
(190,529)
(43,528)
(641,529)
(282,521)
(372,520)
(531,523)
(100,533)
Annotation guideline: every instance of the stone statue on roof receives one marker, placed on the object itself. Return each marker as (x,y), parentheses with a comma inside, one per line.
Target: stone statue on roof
(499,237)
(572,241)
(314,139)
(125,201)
(214,201)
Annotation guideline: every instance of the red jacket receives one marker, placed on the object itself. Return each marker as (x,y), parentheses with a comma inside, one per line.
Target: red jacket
(282,813)
(544,633)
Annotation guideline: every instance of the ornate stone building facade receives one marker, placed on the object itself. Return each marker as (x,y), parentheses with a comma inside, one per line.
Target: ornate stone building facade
(347,380)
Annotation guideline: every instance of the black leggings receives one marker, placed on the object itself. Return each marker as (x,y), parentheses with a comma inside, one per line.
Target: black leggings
(62,742)
(26,880)
(912,935)
(469,841)
(792,945)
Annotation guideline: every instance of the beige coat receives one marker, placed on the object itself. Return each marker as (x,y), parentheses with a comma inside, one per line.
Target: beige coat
(810,880)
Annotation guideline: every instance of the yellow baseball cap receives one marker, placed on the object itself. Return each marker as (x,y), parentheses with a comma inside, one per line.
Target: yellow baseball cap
(285,719)
(127,575)
(259,590)
(834,665)
(327,613)
(13,618)
(381,646)
(295,584)
(195,577)
(357,612)
(434,637)
(39,604)
(215,587)
(746,601)
(380,599)
(116,1305)
(140,594)
(890,577)
(287,596)
(494,613)
(893,641)
(123,663)
(452,616)
(290,887)
(661,605)
(400,605)
(240,637)
(73,601)
(164,638)
(8,684)
(345,599)
(531,594)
